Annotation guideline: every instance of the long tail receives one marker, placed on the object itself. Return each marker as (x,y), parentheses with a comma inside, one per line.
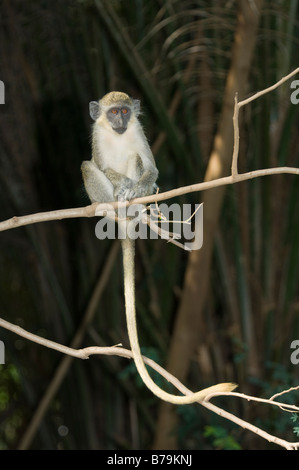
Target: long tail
(128,247)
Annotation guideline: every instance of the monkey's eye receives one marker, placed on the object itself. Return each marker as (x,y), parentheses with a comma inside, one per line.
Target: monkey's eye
(124,110)
(114,111)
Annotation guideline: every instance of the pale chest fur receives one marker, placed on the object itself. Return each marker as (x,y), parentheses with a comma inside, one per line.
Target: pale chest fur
(119,151)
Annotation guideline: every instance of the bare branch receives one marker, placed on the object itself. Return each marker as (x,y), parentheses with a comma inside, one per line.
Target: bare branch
(85,353)
(90,211)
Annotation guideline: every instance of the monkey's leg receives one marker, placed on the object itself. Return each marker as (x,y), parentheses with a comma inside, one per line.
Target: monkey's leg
(97,185)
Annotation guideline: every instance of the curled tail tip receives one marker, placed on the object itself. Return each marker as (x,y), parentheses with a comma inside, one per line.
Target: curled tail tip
(221,388)
(227,387)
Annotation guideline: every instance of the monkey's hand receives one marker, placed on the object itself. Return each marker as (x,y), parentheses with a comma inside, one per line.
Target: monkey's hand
(128,192)
(139,190)
(124,190)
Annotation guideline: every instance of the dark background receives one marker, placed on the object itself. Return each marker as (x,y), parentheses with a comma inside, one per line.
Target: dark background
(175,55)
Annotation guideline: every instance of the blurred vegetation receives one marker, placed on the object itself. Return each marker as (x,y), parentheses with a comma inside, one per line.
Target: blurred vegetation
(174,55)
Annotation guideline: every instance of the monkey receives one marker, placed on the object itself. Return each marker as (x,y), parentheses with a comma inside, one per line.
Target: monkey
(123,168)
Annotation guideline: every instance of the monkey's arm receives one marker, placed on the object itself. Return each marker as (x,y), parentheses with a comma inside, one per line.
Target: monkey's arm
(146,183)
(144,179)
(116,179)
(126,188)
(121,183)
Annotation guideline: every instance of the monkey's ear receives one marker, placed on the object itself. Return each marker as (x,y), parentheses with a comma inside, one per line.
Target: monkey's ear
(136,106)
(94,110)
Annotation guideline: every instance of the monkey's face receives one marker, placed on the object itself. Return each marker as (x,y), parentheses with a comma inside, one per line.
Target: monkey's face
(119,117)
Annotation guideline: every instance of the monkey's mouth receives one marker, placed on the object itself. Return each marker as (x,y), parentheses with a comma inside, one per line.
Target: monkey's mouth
(119,130)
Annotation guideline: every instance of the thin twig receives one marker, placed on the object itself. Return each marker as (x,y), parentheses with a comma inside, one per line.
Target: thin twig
(239,105)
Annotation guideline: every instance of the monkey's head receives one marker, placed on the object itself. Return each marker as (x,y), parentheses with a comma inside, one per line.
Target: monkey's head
(116,109)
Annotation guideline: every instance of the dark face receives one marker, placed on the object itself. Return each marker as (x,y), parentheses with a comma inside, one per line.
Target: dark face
(119,118)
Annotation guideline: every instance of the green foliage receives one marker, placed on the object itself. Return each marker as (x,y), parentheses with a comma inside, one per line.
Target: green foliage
(220,438)
(10,392)
(295,419)
(196,435)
